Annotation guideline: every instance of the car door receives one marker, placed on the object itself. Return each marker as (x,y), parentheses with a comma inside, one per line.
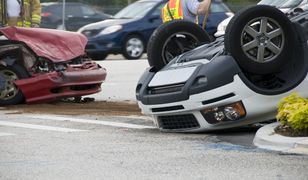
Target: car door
(152,20)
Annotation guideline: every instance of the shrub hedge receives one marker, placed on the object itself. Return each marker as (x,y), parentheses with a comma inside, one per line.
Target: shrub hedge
(293,112)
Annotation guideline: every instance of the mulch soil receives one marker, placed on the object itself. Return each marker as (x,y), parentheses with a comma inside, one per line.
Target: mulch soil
(99,108)
(290,132)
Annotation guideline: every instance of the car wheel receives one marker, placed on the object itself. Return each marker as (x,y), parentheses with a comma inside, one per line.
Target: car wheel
(172,39)
(97,56)
(259,39)
(11,94)
(133,47)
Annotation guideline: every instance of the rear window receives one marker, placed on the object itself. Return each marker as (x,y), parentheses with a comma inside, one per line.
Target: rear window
(70,10)
(73,11)
(87,11)
(44,8)
(54,9)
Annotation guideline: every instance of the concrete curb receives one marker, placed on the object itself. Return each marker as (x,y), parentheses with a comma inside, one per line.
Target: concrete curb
(266,138)
(303,144)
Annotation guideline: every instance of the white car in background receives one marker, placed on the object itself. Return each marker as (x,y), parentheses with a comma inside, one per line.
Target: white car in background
(283,5)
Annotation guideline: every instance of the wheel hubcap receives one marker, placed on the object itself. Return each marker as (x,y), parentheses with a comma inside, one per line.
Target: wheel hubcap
(10,89)
(134,47)
(262,39)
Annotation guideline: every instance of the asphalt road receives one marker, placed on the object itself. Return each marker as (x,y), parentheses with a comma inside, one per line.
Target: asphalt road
(39,146)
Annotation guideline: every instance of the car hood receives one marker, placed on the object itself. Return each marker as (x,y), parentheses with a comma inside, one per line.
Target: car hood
(106,23)
(56,45)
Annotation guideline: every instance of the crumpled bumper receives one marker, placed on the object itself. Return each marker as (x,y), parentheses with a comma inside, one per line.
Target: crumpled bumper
(76,80)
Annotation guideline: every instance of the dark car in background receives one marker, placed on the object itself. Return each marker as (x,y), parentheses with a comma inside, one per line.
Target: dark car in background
(128,33)
(76,15)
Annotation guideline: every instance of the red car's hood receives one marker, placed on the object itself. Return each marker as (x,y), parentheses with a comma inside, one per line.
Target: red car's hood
(52,44)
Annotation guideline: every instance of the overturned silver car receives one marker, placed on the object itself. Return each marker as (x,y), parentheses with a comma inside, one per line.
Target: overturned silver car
(234,81)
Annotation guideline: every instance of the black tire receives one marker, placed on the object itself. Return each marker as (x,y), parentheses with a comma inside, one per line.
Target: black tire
(172,39)
(133,47)
(12,95)
(260,38)
(97,56)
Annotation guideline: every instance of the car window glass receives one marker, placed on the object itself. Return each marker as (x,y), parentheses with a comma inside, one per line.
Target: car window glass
(269,2)
(44,8)
(57,10)
(291,3)
(218,8)
(281,3)
(87,11)
(157,11)
(73,11)
(135,10)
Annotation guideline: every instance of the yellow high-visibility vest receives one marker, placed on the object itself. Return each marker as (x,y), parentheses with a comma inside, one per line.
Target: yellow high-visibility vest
(172,10)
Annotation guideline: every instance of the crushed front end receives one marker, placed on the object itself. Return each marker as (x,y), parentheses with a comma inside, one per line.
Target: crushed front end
(40,65)
(50,81)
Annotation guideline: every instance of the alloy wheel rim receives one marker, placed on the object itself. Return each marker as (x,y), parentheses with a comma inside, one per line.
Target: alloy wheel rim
(262,39)
(10,89)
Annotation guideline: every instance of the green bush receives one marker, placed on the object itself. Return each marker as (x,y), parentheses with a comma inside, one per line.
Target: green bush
(293,112)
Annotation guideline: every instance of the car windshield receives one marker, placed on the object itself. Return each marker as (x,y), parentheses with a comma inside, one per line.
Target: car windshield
(135,10)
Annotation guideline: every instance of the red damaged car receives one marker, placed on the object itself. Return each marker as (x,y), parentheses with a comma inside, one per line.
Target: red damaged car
(40,65)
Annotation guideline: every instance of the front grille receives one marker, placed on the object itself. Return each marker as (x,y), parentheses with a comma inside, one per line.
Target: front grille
(84,87)
(62,89)
(220,98)
(90,46)
(186,121)
(170,108)
(166,89)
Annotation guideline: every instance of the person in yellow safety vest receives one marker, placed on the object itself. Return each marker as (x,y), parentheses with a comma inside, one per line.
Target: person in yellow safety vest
(23,13)
(184,9)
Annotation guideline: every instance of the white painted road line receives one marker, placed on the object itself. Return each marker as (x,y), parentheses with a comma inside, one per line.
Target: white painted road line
(105,123)
(134,117)
(39,127)
(6,134)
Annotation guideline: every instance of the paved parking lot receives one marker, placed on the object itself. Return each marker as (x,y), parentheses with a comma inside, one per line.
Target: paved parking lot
(65,147)
(121,80)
